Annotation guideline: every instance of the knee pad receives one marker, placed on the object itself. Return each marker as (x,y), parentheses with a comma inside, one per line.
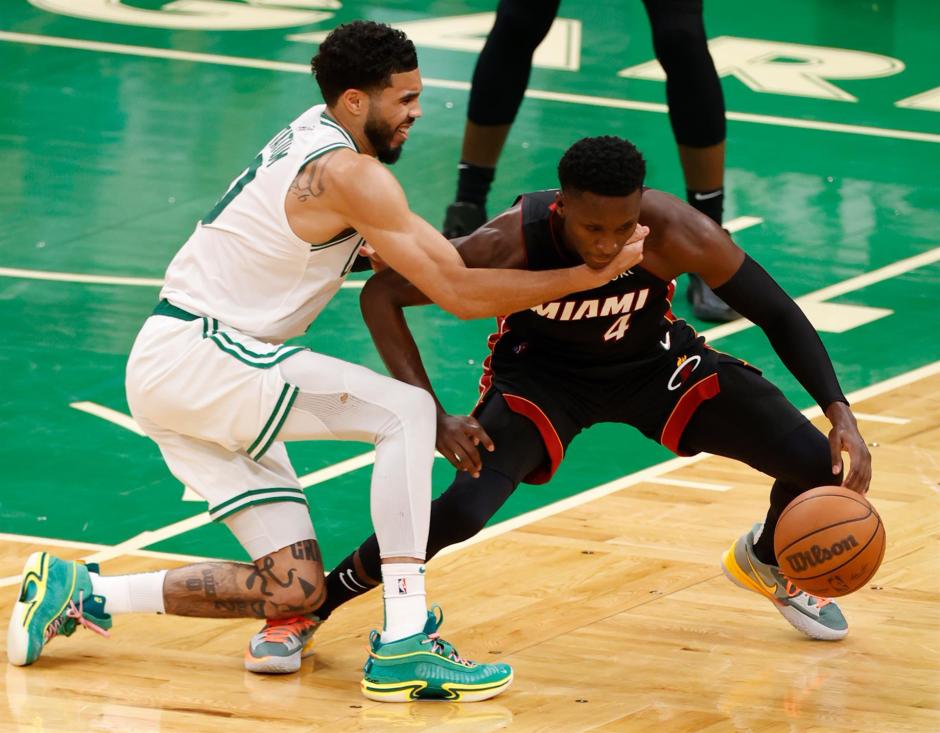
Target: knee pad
(521,25)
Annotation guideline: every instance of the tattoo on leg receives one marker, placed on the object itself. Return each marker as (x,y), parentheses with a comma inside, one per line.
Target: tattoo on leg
(242,608)
(264,574)
(193,584)
(208,583)
(306,550)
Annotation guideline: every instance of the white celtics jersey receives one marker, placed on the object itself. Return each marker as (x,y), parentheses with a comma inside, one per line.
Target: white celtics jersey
(243,265)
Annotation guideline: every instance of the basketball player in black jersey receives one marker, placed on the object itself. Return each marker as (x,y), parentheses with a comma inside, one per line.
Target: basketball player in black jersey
(617,354)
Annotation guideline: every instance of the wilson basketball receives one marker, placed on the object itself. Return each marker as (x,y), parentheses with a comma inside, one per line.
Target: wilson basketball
(829,541)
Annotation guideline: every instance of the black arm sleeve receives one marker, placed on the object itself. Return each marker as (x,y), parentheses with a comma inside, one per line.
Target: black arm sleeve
(756,296)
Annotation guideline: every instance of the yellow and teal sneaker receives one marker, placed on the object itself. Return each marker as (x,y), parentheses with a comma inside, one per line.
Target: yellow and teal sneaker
(818,618)
(55,598)
(281,644)
(425,667)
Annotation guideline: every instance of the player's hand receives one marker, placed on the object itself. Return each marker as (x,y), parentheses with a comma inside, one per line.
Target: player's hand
(845,438)
(378,264)
(458,440)
(630,255)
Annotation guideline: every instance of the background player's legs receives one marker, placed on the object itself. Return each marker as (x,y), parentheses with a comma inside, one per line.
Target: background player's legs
(500,79)
(697,115)
(463,509)
(751,421)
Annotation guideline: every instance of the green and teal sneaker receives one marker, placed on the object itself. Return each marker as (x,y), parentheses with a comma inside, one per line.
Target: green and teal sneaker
(425,667)
(55,598)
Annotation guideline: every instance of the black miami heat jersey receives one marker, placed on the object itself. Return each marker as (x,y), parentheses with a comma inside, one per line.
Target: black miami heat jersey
(616,323)
(612,354)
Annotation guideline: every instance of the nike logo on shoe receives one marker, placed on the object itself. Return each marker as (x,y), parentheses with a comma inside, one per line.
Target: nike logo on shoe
(771,589)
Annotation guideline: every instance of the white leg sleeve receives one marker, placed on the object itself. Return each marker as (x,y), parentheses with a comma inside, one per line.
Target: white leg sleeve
(344,401)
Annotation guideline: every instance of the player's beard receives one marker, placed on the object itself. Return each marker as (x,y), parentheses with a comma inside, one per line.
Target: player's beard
(380,135)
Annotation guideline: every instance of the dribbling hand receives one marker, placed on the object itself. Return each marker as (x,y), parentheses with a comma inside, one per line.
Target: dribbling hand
(845,436)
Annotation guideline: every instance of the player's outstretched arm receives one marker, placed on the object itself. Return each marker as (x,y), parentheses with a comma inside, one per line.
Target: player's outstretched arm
(383,299)
(745,286)
(373,203)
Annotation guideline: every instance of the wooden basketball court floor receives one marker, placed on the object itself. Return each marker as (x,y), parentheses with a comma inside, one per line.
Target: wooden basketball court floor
(120,125)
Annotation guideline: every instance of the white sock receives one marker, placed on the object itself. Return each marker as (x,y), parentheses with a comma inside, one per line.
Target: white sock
(137,593)
(406,608)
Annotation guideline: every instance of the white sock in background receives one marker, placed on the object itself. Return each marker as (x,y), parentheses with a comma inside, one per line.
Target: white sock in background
(137,593)
(406,608)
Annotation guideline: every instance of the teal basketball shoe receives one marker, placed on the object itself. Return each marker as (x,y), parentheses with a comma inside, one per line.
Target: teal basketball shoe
(425,667)
(55,598)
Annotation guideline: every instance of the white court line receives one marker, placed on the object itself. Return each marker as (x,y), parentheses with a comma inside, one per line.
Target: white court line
(77,277)
(881,418)
(742,222)
(734,225)
(112,416)
(582,99)
(647,474)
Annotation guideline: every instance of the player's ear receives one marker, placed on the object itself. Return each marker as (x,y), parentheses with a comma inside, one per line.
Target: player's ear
(355,101)
(559,203)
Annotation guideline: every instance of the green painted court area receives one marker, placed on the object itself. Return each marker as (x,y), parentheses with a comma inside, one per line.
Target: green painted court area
(112,148)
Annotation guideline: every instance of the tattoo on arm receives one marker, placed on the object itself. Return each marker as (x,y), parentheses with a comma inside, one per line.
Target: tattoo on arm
(310,182)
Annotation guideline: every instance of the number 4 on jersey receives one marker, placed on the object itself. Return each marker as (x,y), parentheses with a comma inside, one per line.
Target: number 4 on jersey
(618,329)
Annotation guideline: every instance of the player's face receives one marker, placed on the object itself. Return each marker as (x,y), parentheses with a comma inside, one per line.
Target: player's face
(597,227)
(392,112)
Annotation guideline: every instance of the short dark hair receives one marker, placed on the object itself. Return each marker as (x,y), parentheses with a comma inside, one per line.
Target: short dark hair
(606,165)
(361,55)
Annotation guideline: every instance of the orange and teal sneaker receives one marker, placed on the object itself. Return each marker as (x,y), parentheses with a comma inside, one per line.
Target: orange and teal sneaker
(818,618)
(55,598)
(279,647)
(425,667)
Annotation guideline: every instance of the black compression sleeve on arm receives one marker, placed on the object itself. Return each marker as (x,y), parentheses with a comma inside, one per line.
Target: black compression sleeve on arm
(756,296)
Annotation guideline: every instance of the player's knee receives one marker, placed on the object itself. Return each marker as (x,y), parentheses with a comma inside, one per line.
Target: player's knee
(677,45)
(303,592)
(291,581)
(411,408)
(810,458)
(523,25)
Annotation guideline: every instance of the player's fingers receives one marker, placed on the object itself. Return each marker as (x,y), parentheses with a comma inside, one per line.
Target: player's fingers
(861,463)
(639,234)
(447,449)
(852,480)
(481,436)
(463,460)
(835,452)
(471,453)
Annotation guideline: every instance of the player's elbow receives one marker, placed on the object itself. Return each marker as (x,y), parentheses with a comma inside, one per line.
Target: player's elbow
(457,307)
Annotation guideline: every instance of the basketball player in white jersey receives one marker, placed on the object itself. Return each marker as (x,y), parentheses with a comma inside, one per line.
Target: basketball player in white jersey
(211,380)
